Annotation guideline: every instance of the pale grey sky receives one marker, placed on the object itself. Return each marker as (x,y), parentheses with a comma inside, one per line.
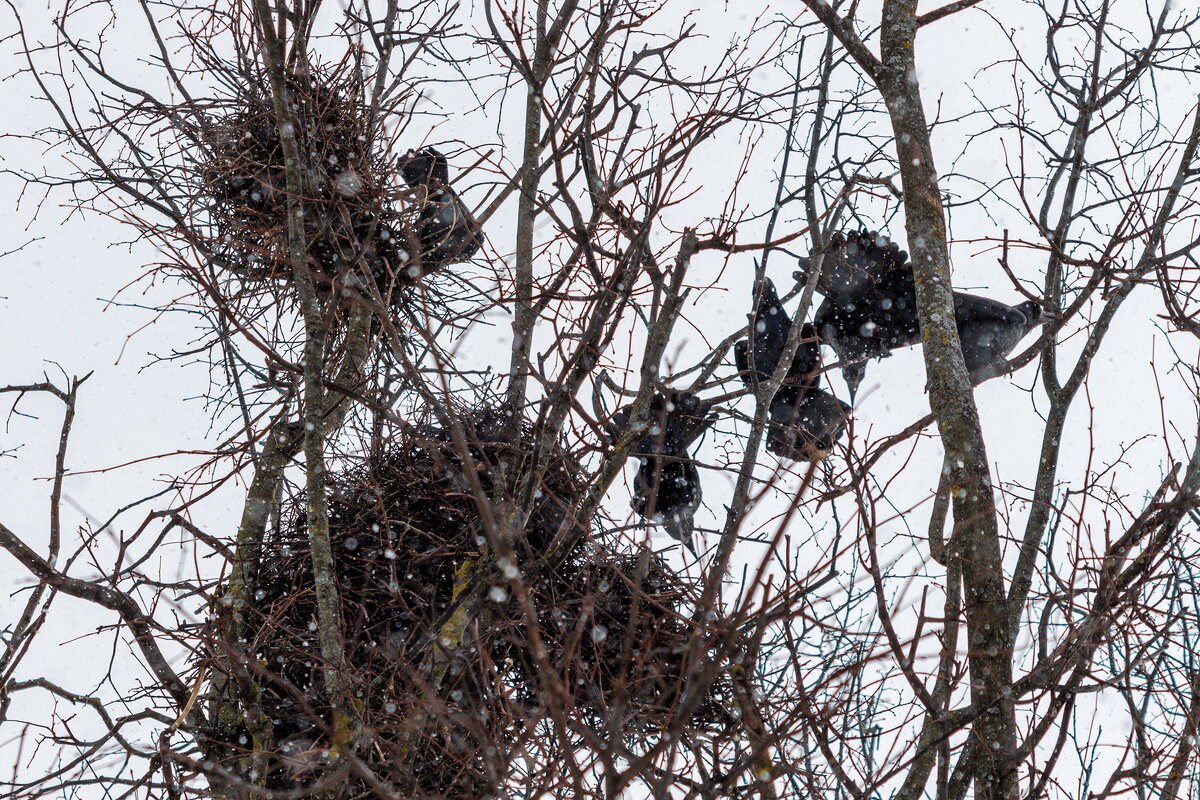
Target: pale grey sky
(55,293)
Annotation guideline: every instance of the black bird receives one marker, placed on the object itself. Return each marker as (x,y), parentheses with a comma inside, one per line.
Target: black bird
(666,489)
(870,305)
(758,354)
(805,429)
(870,309)
(804,421)
(446,231)
(989,330)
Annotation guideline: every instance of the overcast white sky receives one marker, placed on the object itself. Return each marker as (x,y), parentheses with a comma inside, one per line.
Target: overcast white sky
(59,307)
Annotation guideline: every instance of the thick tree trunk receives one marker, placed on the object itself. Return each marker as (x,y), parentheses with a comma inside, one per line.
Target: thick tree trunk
(975,542)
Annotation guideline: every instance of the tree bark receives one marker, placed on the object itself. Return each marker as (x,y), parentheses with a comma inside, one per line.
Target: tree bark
(975,540)
(329,624)
(524,312)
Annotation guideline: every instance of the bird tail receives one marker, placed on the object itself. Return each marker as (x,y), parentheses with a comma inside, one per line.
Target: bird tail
(679,527)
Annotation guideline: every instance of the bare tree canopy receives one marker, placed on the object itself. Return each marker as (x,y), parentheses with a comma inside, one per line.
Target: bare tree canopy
(566,427)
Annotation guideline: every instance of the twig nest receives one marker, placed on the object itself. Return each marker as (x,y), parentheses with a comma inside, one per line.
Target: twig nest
(409,547)
(358,219)
(618,628)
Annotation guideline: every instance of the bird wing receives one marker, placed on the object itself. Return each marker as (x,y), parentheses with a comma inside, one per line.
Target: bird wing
(448,231)
(441,169)
(654,427)
(807,358)
(807,430)
(989,329)
(838,277)
(853,264)
(689,420)
(769,326)
(822,413)
(741,359)
(668,492)
(617,424)
(973,308)
(672,423)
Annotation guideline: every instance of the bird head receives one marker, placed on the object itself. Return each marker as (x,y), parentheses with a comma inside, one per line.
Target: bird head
(765,291)
(854,373)
(420,167)
(1033,312)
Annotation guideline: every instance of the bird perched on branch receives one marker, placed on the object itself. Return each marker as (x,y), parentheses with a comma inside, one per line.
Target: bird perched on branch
(759,353)
(870,305)
(804,421)
(666,489)
(446,232)
(989,330)
(807,427)
(870,308)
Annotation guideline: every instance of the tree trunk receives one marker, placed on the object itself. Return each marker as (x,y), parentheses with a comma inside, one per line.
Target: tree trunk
(975,541)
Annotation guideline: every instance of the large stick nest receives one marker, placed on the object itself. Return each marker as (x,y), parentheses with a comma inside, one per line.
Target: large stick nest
(358,214)
(407,533)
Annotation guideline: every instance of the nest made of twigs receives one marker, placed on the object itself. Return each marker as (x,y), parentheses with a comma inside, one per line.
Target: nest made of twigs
(406,528)
(357,216)
(617,628)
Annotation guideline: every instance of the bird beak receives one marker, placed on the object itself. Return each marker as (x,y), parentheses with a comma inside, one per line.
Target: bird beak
(854,375)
